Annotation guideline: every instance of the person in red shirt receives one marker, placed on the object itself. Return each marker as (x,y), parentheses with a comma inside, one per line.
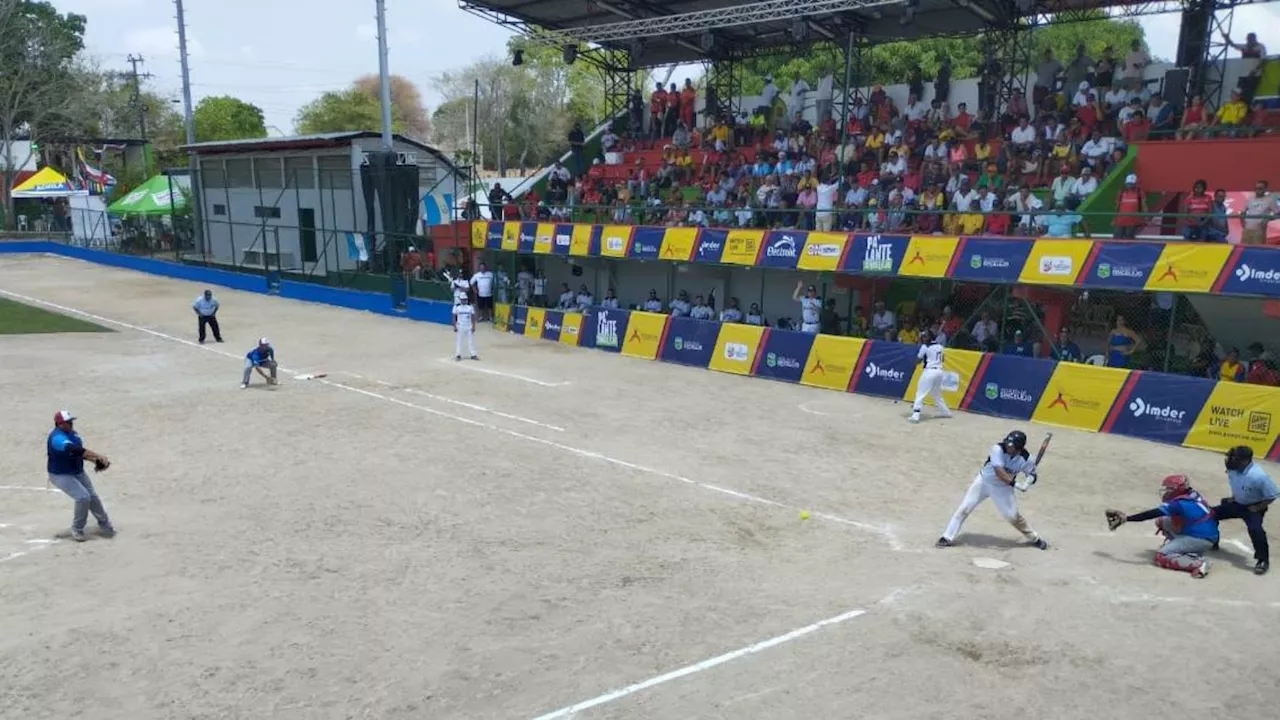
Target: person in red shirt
(997,223)
(1199,211)
(688,99)
(1261,372)
(1137,128)
(866,175)
(962,122)
(1087,114)
(1130,204)
(657,110)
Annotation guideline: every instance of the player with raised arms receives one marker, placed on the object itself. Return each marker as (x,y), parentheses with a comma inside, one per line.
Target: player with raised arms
(997,480)
(1187,522)
(931,354)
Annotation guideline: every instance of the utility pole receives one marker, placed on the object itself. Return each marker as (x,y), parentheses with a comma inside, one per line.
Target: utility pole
(188,121)
(384,74)
(135,100)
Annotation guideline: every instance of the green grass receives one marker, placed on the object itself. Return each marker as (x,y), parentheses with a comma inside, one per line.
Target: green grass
(19,319)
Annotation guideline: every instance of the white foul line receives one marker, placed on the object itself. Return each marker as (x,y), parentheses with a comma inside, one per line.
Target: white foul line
(609,697)
(1239,545)
(885,532)
(23,487)
(482,408)
(490,371)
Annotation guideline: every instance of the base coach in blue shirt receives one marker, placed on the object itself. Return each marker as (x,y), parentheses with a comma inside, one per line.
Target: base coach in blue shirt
(1251,492)
(67,454)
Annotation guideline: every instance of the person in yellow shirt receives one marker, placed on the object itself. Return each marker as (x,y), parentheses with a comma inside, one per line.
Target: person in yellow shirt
(1231,369)
(1232,112)
(908,333)
(981,152)
(875,142)
(720,136)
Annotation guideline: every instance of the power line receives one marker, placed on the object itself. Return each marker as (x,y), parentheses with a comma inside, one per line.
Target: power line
(135,97)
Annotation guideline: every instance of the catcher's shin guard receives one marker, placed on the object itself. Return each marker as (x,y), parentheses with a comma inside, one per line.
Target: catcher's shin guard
(1182,563)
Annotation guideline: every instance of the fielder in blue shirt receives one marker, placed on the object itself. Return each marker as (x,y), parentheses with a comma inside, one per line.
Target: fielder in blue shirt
(1251,492)
(262,356)
(1186,521)
(67,454)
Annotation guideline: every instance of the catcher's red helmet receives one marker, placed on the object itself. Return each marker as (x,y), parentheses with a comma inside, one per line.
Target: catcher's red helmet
(1174,485)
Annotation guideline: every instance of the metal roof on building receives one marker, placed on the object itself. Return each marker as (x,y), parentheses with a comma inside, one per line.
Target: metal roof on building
(305,142)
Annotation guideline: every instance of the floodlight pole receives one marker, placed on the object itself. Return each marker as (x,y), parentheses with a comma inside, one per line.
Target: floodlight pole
(384,74)
(188,120)
(844,105)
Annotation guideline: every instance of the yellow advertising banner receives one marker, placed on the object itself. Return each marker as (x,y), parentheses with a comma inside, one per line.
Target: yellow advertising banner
(960,367)
(543,239)
(510,236)
(741,247)
(615,240)
(501,316)
(736,348)
(1055,262)
(479,233)
(570,328)
(928,256)
(1079,396)
(1237,414)
(678,244)
(1188,267)
(533,321)
(580,244)
(822,251)
(831,362)
(644,335)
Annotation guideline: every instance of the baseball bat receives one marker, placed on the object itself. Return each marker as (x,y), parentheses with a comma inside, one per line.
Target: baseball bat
(1044,446)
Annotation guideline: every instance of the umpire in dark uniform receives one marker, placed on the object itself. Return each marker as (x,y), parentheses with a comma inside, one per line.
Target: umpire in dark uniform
(1251,492)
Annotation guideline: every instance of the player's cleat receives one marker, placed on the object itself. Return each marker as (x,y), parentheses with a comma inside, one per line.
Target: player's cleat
(457,358)
(1040,544)
(915,418)
(475,357)
(244,385)
(78,535)
(943,543)
(1201,570)
(1262,567)
(106,532)
(945,415)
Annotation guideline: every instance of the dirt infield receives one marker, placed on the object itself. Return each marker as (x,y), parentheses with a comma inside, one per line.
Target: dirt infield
(556,532)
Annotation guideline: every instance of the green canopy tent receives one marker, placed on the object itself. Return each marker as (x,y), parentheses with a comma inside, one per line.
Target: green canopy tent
(161,195)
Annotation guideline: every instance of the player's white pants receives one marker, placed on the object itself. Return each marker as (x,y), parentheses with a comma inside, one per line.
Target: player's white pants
(1001,496)
(809,327)
(466,338)
(931,384)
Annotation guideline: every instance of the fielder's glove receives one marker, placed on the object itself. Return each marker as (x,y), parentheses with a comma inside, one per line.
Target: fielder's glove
(1115,519)
(101,464)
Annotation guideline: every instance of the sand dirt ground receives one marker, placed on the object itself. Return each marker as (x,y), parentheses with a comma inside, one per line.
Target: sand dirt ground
(410,538)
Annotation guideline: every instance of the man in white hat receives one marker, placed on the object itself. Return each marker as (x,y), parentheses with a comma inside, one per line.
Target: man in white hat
(262,356)
(67,453)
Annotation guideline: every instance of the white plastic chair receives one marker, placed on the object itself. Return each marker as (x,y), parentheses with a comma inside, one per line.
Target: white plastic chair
(1099,360)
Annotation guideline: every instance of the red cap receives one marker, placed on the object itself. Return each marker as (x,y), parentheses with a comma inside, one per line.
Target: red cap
(63,416)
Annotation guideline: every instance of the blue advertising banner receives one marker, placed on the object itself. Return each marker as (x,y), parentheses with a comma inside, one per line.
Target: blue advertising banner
(528,236)
(783,354)
(994,261)
(551,324)
(1159,407)
(1252,271)
(563,239)
(1008,386)
(782,249)
(493,236)
(1121,265)
(876,254)
(886,369)
(710,245)
(689,341)
(519,315)
(646,242)
(605,329)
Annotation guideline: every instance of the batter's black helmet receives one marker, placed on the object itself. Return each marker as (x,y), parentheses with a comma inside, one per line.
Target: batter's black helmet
(1239,457)
(1017,438)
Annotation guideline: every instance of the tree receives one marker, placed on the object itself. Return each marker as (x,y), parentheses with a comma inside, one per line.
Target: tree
(406,104)
(360,108)
(38,92)
(227,118)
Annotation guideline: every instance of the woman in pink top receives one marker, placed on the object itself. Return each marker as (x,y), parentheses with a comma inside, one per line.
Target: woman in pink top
(806,201)
(957,154)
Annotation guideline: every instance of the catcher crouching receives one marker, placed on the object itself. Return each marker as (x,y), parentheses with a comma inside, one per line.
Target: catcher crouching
(1186,521)
(67,455)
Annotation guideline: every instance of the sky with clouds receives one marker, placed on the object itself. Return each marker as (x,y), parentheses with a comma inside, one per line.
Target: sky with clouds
(280,54)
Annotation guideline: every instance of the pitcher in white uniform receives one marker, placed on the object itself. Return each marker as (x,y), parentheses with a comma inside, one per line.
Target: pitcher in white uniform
(810,307)
(931,354)
(996,480)
(464,325)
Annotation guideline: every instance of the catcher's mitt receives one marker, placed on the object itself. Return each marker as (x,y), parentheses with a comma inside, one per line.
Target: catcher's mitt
(1115,519)
(101,464)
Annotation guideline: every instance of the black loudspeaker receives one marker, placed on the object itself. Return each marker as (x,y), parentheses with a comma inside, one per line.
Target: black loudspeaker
(1174,87)
(390,186)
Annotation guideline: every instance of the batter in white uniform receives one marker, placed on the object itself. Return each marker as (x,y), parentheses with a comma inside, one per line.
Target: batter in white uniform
(810,307)
(931,353)
(996,481)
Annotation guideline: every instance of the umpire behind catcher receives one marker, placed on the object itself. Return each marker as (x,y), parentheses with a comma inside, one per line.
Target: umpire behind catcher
(1251,492)
(66,471)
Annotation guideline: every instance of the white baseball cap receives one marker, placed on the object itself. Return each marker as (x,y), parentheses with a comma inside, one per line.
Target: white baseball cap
(263,341)
(63,416)
(1131,179)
